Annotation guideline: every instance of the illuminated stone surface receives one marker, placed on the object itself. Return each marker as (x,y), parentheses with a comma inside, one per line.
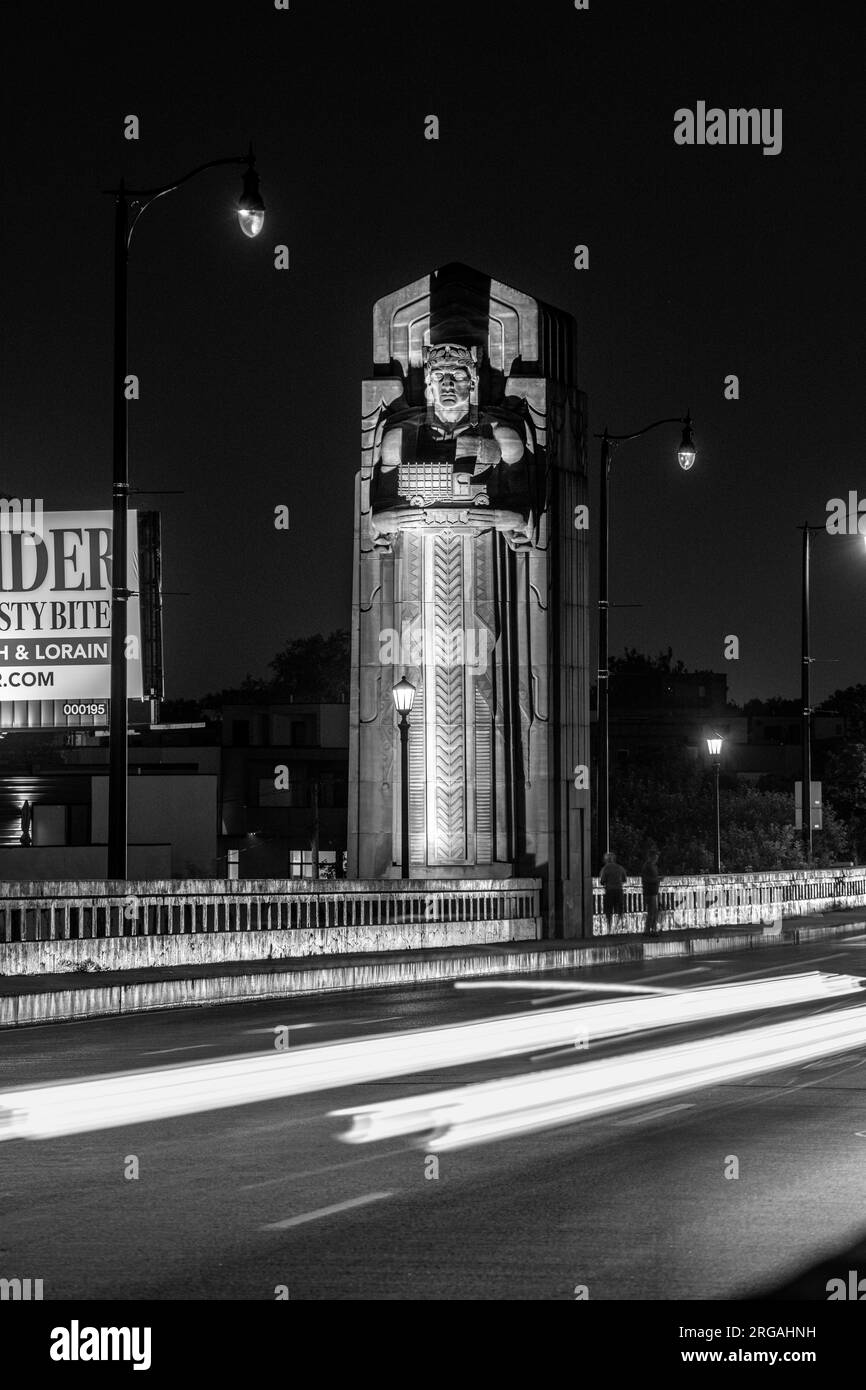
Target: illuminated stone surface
(470,579)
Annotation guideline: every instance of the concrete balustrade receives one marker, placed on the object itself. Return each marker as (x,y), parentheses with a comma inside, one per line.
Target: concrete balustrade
(319,916)
(719,900)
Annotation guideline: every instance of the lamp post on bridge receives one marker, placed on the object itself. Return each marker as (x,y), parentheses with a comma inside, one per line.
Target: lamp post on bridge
(130,203)
(714,747)
(686,455)
(404,698)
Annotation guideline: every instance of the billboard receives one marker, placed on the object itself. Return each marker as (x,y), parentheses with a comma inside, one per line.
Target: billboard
(55,608)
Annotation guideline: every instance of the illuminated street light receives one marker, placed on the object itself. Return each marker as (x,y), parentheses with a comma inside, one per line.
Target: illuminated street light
(687,453)
(251,209)
(404,698)
(714,747)
(130,203)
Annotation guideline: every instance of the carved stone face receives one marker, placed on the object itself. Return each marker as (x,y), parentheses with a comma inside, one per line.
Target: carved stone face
(450,388)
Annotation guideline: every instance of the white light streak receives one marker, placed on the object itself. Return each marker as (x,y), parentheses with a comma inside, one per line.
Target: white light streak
(103,1102)
(489,1111)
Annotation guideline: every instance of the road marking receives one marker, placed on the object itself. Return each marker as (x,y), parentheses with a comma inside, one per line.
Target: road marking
(774,969)
(561,1052)
(692,970)
(654,1115)
(326,1168)
(325,1211)
(277,1027)
(190,1047)
(564,988)
(324,1023)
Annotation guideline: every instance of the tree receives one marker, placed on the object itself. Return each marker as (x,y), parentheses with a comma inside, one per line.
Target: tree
(851,703)
(674,808)
(776,704)
(845,792)
(309,670)
(312,669)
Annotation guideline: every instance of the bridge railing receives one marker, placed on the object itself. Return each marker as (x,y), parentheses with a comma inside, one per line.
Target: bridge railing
(720,900)
(76,911)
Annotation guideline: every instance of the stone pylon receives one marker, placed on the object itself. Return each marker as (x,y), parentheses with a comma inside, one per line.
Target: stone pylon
(470,580)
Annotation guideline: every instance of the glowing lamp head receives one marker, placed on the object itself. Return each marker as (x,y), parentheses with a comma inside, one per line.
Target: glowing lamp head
(404,696)
(251,209)
(714,745)
(687,453)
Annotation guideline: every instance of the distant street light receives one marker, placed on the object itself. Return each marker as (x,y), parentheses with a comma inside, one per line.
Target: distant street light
(404,698)
(686,455)
(130,203)
(714,747)
(806,692)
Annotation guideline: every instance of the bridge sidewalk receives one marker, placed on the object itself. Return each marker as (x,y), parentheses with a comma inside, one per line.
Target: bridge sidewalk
(36,999)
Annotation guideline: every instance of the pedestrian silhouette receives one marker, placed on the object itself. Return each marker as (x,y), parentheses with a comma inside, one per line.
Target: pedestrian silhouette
(650,881)
(612,879)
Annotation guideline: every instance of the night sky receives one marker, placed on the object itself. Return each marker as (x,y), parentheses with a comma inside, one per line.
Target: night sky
(556,128)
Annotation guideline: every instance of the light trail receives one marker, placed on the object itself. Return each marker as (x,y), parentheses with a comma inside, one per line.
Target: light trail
(103,1102)
(490,1111)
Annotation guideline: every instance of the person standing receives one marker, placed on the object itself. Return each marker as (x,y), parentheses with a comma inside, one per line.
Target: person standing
(612,879)
(650,881)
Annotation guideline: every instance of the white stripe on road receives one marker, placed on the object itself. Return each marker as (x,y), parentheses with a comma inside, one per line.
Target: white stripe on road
(190,1047)
(774,969)
(654,1115)
(325,1211)
(574,987)
(277,1028)
(692,970)
(324,1023)
(326,1168)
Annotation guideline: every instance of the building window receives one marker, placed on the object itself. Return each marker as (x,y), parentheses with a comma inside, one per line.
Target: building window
(301,863)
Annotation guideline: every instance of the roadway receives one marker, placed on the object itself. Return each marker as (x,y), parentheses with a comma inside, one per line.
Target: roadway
(236,1203)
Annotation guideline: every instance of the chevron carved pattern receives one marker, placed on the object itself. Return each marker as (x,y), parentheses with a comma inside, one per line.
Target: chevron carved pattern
(450,743)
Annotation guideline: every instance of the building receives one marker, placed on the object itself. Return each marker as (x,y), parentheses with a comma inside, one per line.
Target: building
(284,791)
(655,715)
(54,803)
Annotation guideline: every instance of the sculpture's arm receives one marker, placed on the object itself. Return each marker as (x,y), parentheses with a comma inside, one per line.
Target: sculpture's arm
(392,448)
(510,443)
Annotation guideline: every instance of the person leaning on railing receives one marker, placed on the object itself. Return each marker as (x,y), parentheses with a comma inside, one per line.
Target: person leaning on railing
(612,879)
(650,882)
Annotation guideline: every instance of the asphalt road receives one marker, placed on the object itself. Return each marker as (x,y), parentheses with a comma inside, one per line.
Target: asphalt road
(238,1203)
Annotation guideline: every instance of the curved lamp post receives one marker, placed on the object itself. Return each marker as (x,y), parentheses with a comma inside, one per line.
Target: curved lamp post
(404,698)
(714,748)
(130,203)
(686,455)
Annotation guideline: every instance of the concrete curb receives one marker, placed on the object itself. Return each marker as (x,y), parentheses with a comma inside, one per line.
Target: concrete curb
(33,1001)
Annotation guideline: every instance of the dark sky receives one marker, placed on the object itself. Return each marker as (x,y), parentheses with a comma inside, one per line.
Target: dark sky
(556,129)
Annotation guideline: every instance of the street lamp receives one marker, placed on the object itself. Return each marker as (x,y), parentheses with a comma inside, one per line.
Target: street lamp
(404,698)
(714,747)
(686,455)
(129,204)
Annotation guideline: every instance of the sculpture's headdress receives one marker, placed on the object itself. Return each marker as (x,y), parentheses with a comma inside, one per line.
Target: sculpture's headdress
(440,355)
